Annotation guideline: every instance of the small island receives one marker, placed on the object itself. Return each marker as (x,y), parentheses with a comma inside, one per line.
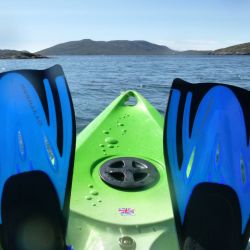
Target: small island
(15,54)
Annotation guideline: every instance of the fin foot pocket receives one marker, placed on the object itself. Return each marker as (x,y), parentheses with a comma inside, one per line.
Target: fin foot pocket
(191,244)
(37,232)
(213,219)
(31,214)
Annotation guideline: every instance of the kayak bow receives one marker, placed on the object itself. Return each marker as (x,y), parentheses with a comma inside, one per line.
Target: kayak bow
(119,198)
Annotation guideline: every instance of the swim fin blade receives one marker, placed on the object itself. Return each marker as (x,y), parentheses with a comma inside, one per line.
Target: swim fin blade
(207,153)
(37,132)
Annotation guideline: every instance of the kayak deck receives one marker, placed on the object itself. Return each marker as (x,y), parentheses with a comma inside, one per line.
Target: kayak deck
(102,215)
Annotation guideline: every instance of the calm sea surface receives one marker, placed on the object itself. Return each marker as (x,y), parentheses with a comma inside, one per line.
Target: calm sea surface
(96,80)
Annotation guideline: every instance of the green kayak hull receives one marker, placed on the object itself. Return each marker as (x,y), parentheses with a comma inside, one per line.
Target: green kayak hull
(104,217)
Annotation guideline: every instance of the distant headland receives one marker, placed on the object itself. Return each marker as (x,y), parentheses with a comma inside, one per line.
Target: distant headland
(240,49)
(15,54)
(118,47)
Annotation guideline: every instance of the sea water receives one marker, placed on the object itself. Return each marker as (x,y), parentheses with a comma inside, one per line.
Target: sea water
(95,81)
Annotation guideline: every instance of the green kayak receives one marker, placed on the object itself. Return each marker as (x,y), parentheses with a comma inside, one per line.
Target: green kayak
(120,197)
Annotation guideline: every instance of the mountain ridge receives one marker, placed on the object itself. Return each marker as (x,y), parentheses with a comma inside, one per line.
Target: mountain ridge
(114,47)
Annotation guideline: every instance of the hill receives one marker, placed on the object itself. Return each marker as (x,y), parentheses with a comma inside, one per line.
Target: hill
(116,47)
(240,49)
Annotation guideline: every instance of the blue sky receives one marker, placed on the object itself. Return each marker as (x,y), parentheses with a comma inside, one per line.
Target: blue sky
(179,24)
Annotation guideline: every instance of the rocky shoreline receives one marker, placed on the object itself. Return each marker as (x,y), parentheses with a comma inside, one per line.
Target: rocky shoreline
(15,54)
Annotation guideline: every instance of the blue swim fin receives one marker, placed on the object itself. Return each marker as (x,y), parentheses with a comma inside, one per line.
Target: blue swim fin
(207,152)
(37,133)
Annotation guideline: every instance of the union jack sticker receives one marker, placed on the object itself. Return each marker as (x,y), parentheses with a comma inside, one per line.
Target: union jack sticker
(126,211)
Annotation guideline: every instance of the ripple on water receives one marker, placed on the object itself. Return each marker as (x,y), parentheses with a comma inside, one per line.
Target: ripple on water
(97,80)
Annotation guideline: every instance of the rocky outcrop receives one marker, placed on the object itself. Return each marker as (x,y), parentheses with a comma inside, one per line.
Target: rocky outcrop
(14,54)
